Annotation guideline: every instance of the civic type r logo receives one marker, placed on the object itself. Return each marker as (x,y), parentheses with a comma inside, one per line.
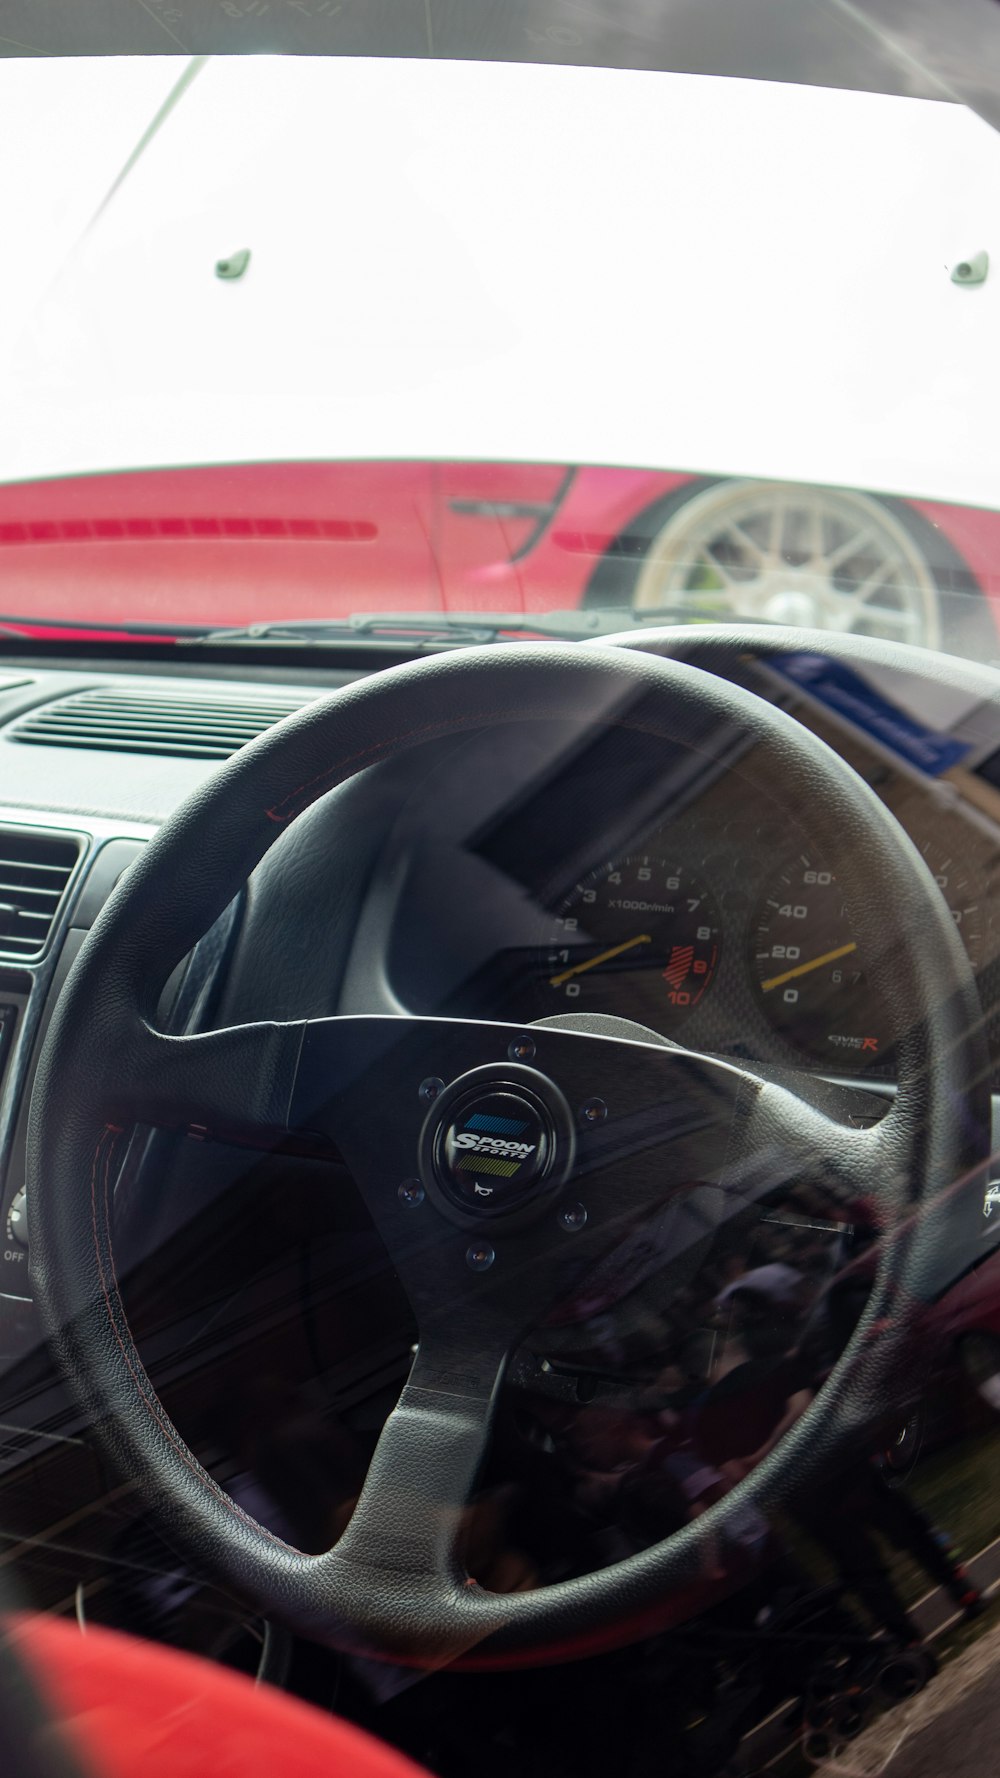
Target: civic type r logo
(490,1145)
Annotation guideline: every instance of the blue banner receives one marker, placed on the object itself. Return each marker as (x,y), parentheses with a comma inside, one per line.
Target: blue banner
(844,691)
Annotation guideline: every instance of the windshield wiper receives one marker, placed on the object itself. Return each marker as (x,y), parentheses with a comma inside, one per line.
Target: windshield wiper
(420,629)
(21,627)
(430,628)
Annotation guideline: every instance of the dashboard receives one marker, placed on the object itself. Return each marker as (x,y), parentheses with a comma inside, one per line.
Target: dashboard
(568,872)
(516,874)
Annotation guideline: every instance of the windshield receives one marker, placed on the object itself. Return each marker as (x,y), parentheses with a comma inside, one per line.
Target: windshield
(307,337)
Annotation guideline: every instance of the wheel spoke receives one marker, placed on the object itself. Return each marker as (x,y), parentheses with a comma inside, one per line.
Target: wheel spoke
(846,607)
(715,566)
(814,532)
(783,1138)
(777,530)
(410,1513)
(251,1082)
(850,547)
(748,543)
(879,577)
(234,1085)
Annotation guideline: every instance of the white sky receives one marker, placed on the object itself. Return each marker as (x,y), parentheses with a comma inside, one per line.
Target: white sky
(469,259)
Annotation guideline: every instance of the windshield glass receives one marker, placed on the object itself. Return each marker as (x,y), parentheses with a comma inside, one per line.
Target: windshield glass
(306,337)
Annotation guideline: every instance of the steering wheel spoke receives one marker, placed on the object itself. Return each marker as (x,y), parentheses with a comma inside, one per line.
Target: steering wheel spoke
(784,1137)
(257,1083)
(413,1508)
(232,1085)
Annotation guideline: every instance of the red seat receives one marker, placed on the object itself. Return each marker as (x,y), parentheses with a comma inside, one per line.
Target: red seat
(132,1708)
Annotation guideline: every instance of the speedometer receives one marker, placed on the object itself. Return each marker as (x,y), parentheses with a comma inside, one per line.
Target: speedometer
(639,938)
(808,974)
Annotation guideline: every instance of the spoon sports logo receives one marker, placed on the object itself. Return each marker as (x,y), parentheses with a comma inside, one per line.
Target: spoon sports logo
(490,1145)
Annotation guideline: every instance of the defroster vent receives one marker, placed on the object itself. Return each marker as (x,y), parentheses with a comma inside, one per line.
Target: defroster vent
(148,721)
(35,868)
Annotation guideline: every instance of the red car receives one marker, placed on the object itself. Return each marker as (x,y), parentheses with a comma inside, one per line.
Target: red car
(246,542)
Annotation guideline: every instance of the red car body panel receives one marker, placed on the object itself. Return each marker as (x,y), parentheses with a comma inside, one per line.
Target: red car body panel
(245,542)
(234,544)
(973,533)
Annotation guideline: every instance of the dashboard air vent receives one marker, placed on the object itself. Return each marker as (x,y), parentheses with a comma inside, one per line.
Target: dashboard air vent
(148,721)
(35,868)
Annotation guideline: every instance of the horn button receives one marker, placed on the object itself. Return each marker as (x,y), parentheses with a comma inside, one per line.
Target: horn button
(491,1145)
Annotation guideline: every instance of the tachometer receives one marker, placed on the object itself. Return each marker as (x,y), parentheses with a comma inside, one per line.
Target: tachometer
(639,937)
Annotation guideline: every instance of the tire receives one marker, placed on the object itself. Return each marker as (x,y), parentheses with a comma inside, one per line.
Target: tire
(849,1719)
(817,1748)
(719,550)
(906,1675)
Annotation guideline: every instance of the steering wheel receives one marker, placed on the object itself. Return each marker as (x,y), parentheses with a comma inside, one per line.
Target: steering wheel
(407,1101)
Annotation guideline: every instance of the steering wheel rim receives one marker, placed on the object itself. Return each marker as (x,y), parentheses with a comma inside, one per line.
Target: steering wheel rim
(389,1584)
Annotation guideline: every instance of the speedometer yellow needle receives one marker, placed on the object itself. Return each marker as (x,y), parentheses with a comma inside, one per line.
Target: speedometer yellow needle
(789,975)
(556,981)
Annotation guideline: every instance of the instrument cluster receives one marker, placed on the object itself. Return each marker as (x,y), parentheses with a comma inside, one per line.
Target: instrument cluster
(689,935)
(576,869)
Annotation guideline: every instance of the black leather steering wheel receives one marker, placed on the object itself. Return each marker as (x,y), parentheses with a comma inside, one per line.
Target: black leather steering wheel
(394,1581)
